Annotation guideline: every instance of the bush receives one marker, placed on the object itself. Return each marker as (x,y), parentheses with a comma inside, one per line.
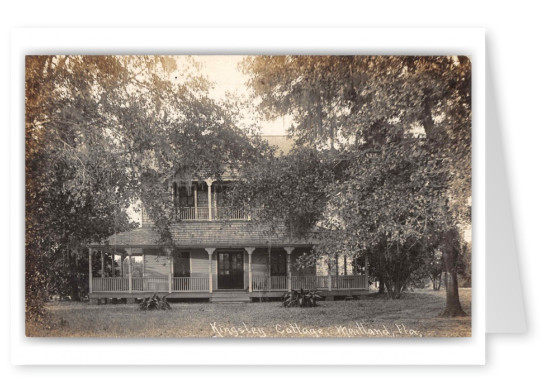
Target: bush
(301,299)
(155,303)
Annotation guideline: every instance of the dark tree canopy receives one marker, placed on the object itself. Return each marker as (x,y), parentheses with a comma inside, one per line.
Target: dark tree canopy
(360,105)
(102,133)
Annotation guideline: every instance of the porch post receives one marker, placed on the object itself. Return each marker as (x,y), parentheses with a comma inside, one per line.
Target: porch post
(113,264)
(366,274)
(89,270)
(337,270)
(209,184)
(195,201)
(215,206)
(250,252)
(130,270)
(345,266)
(210,251)
(329,282)
(102,261)
(289,250)
(170,266)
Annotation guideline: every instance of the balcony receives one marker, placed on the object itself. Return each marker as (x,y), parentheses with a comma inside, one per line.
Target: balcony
(202,213)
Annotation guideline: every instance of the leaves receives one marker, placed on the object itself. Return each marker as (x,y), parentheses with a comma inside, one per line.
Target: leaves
(103,132)
(401,126)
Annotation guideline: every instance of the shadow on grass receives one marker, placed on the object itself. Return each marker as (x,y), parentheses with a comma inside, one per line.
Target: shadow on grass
(418,310)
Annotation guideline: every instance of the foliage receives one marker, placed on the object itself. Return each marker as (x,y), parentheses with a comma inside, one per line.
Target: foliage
(154,303)
(288,190)
(301,298)
(103,132)
(366,105)
(389,209)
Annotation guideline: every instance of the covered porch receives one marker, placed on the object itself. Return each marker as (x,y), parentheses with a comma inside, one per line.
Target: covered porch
(201,272)
(210,257)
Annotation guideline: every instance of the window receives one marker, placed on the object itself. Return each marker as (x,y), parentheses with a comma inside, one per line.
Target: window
(278,264)
(181,264)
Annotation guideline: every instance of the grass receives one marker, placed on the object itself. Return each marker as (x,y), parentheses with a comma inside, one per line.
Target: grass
(415,315)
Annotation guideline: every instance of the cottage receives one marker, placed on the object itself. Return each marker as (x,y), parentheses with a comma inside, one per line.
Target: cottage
(218,254)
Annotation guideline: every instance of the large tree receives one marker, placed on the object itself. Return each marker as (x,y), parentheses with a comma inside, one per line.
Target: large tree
(365,102)
(102,133)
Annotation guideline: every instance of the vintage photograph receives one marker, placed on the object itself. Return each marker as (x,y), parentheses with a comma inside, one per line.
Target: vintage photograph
(226,196)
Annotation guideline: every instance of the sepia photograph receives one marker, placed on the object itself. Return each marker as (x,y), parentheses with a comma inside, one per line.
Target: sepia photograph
(248,196)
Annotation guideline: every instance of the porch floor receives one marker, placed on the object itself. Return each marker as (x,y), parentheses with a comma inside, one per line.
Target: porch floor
(329,295)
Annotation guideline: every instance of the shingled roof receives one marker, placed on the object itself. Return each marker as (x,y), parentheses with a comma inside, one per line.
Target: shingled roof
(206,234)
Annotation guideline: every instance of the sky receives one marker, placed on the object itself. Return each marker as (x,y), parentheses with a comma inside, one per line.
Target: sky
(224,73)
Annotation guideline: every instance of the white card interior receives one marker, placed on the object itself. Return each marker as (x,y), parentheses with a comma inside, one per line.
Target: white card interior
(504,299)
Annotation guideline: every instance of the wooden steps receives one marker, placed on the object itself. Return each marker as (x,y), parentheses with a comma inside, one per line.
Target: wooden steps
(230,297)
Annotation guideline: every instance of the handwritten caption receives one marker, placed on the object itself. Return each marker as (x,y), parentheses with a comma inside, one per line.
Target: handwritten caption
(357,329)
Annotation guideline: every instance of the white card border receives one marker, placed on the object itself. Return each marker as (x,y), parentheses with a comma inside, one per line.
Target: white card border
(32,351)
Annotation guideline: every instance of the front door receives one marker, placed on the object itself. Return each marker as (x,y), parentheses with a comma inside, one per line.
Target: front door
(230,270)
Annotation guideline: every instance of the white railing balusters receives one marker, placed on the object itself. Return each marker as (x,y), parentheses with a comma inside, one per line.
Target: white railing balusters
(202,213)
(201,284)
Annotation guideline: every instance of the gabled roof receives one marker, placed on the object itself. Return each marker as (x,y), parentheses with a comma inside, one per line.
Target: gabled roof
(206,234)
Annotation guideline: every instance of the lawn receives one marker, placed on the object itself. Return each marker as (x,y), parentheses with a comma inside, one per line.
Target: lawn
(415,315)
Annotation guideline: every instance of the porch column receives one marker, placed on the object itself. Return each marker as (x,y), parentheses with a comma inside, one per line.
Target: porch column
(337,270)
(89,270)
(113,274)
(209,184)
(129,270)
(195,201)
(215,206)
(210,251)
(250,252)
(170,266)
(366,274)
(329,269)
(102,261)
(289,250)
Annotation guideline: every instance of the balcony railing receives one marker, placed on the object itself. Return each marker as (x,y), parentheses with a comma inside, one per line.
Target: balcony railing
(202,213)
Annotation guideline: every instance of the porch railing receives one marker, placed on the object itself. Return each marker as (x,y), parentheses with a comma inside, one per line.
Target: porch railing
(230,214)
(190,284)
(260,283)
(150,284)
(307,282)
(278,282)
(202,213)
(201,284)
(348,282)
(110,284)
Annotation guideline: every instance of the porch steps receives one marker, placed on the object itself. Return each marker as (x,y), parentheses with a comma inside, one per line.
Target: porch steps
(230,297)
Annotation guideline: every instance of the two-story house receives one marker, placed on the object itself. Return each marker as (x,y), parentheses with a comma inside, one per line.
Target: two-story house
(218,254)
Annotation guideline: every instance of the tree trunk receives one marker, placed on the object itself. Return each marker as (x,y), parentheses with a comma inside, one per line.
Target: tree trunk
(394,290)
(436,282)
(453,306)
(451,258)
(381,285)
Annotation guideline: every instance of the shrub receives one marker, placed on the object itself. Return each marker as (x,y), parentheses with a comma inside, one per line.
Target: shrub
(155,303)
(301,299)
